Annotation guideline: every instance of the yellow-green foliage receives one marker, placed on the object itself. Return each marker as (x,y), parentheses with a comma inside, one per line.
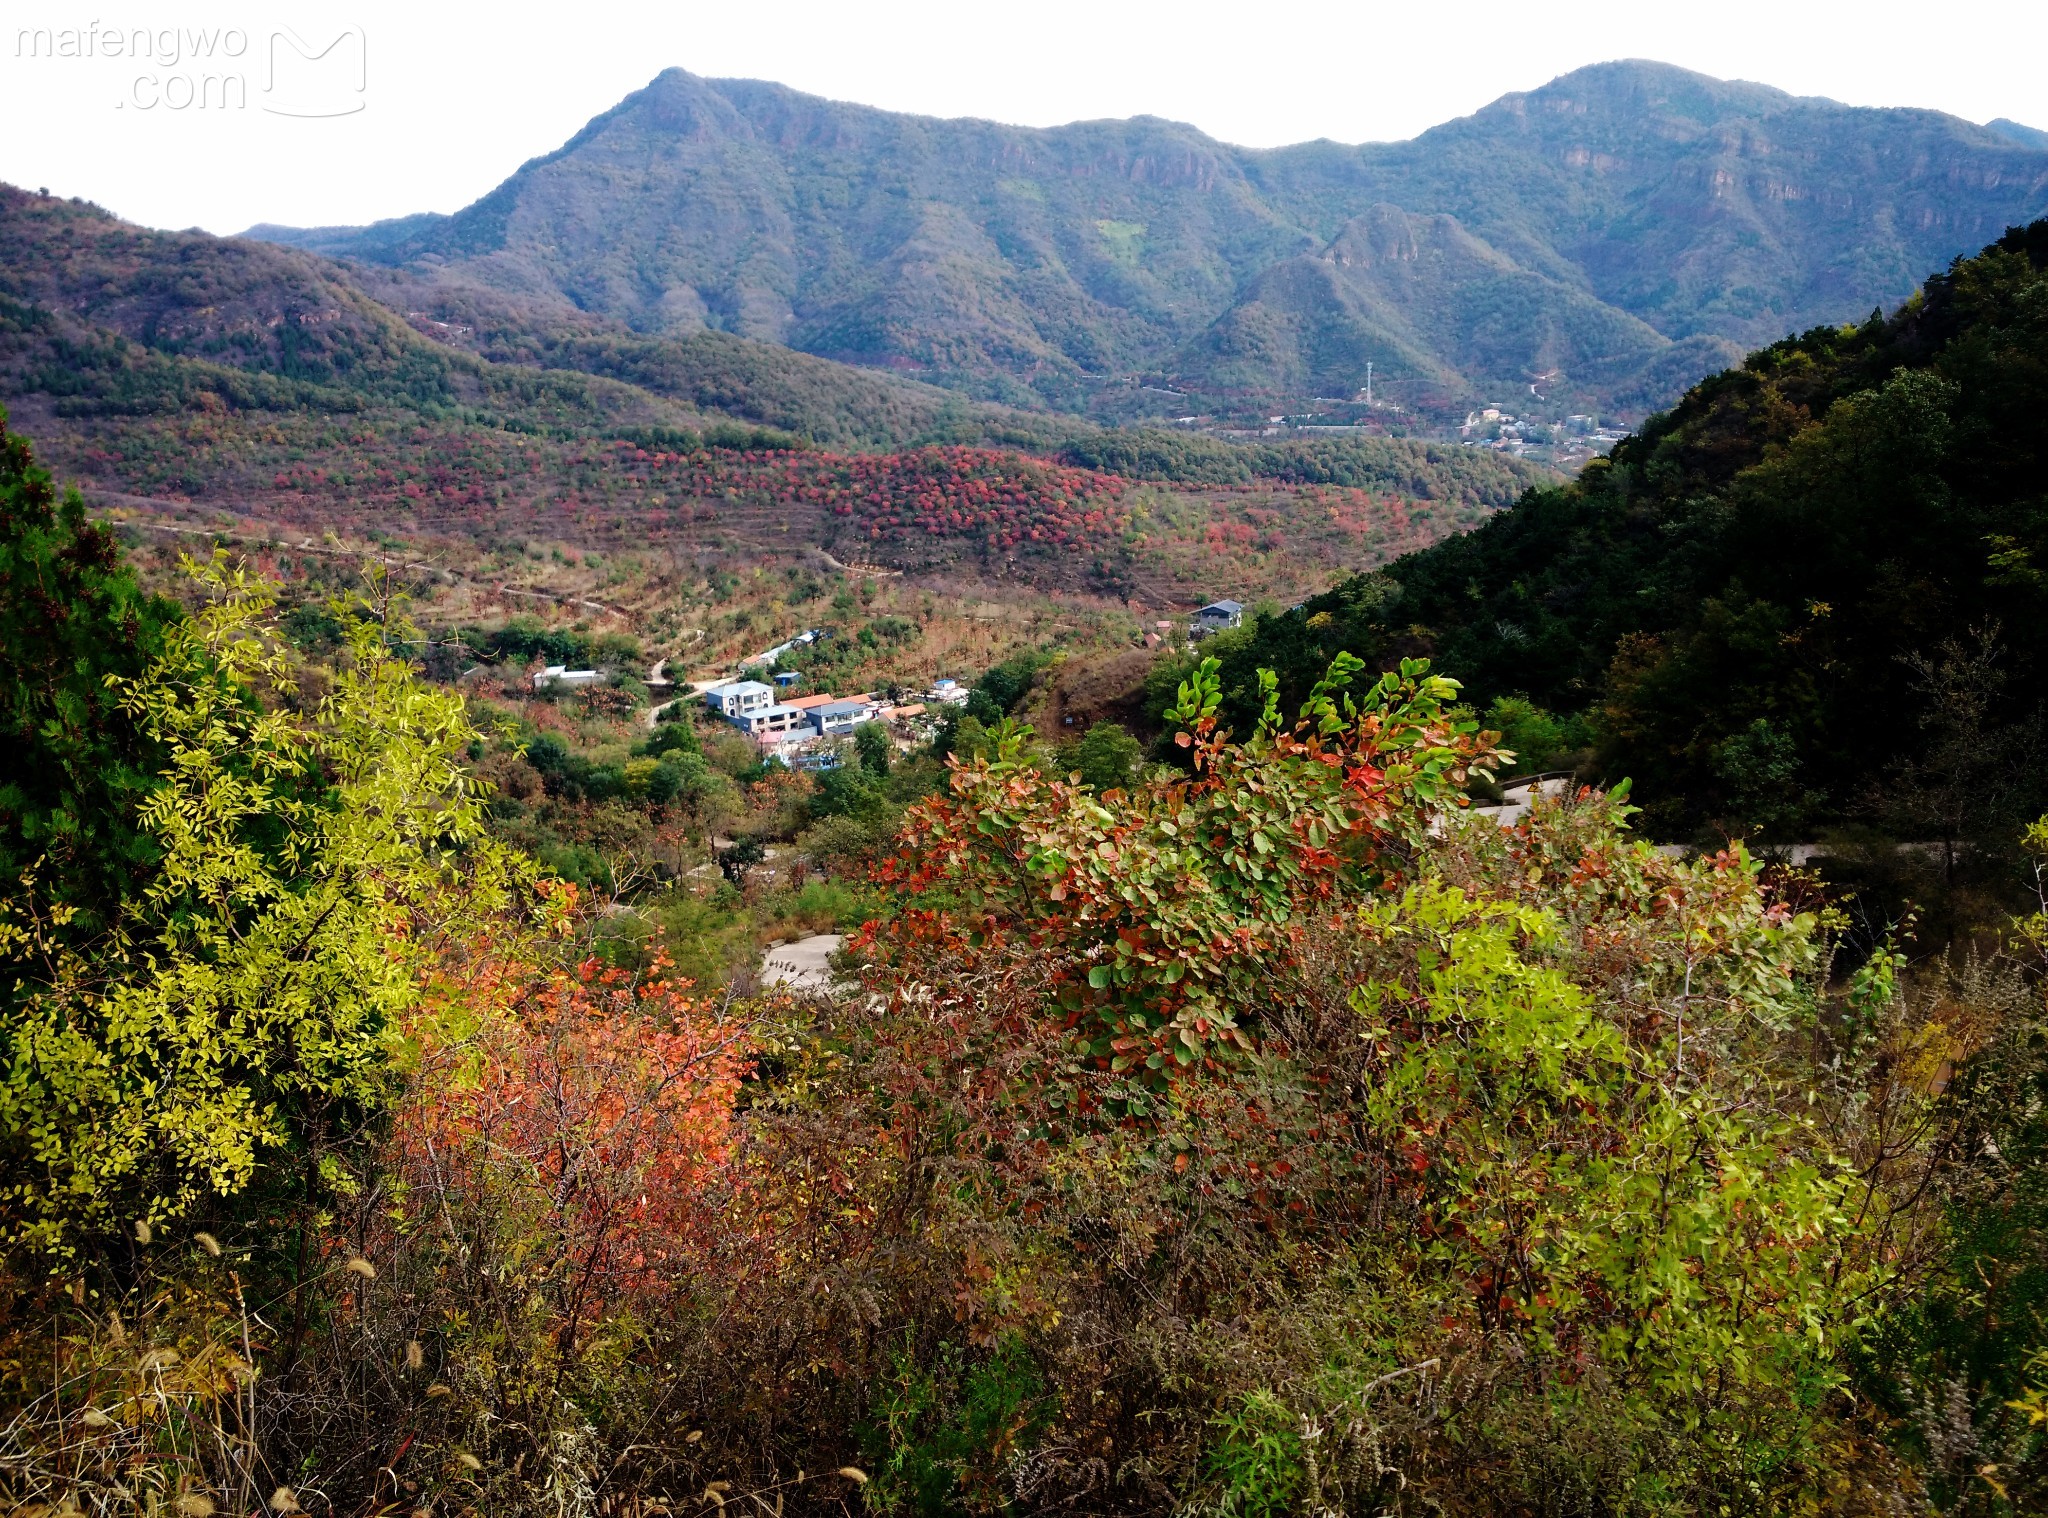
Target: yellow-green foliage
(312,851)
(1596,1193)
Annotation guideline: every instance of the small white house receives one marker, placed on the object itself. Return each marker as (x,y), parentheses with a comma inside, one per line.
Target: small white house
(839,717)
(739,699)
(1216,617)
(949,692)
(561,674)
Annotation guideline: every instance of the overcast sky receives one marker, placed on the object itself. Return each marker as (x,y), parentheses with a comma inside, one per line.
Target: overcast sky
(443,102)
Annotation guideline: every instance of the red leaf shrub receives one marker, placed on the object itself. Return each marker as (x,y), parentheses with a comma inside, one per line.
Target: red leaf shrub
(590,1110)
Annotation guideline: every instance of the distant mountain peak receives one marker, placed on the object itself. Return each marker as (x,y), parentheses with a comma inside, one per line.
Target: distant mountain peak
(1635,79)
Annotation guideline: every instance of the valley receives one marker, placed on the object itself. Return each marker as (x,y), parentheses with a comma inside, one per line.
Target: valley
(826,813)
(201,382)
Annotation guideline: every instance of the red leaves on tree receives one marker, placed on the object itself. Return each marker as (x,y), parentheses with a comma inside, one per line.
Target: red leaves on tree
(590,1106)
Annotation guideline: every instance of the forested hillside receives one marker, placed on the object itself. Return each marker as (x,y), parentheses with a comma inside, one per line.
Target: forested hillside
(1810,595)
(1614,235)
(102,313)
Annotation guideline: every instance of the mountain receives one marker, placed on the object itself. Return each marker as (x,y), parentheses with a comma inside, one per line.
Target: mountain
(101,318)
(1814,593)
(1620,231)
(112,315)
(1421,297)
(198,380)
(2014,131)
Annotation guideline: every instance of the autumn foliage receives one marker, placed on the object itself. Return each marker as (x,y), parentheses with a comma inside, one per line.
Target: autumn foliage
(1153,914)
(1266,1134)
(595,1104)
(998,498)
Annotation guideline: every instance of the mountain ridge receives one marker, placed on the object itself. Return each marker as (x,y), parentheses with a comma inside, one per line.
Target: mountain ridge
(1641,207)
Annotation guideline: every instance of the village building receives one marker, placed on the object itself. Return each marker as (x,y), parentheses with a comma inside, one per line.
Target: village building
(739,698)
(803,639)
(836,717)
(561,674)
(774,724)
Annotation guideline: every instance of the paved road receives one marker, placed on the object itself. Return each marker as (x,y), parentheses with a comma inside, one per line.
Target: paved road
(804,965)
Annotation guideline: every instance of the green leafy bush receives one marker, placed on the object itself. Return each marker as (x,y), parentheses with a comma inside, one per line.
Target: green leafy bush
(242,1003)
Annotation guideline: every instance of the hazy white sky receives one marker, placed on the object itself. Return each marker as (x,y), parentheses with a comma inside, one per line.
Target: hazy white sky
(377,108)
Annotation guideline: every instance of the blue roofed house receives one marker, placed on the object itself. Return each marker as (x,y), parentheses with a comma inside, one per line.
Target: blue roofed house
(1216,617)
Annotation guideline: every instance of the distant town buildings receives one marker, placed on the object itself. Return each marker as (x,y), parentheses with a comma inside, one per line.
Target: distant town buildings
(1574,440)
(756,710)
(806,731)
